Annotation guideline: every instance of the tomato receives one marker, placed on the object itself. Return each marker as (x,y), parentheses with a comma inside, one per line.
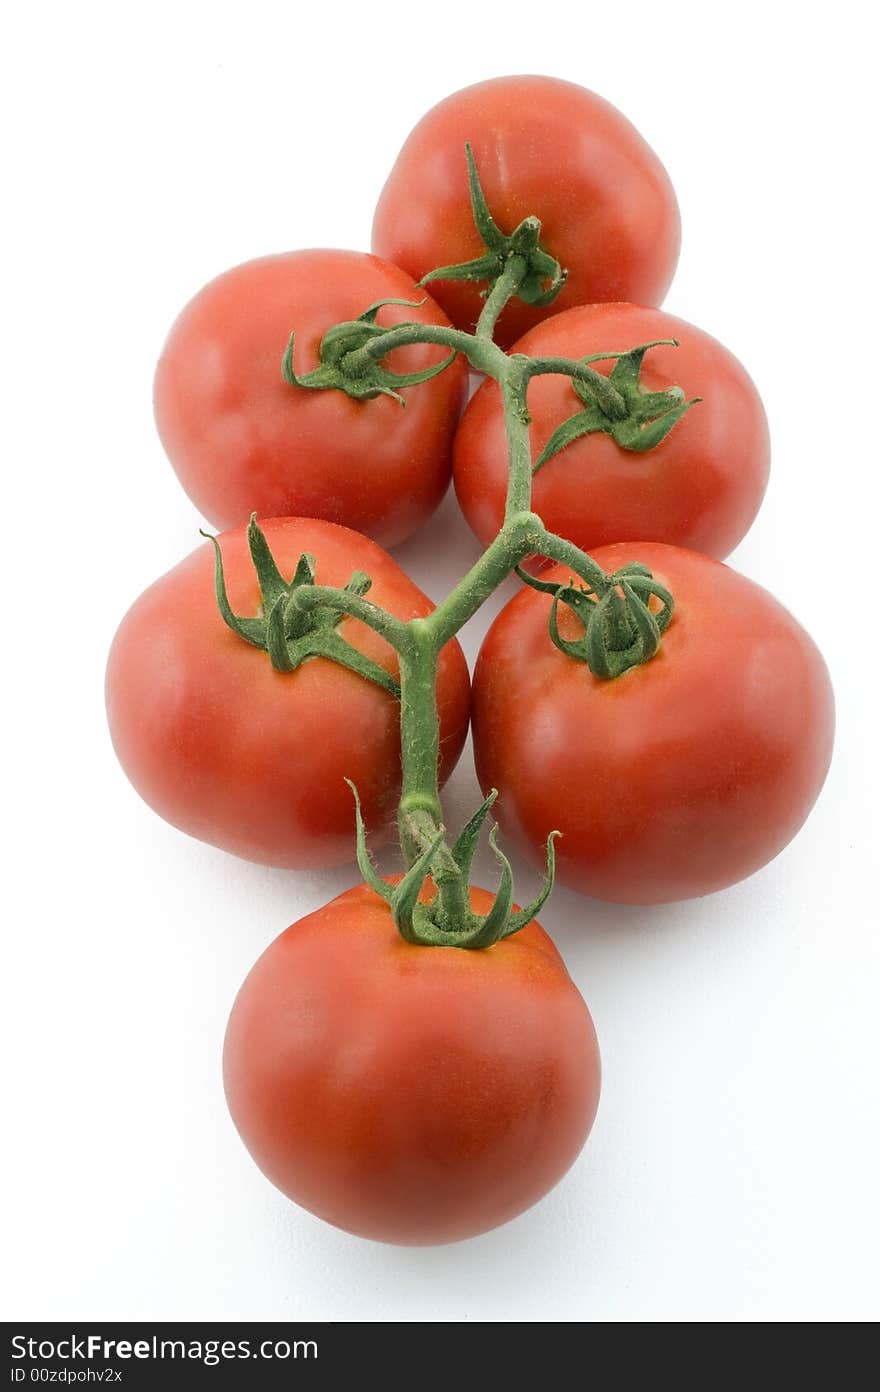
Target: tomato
(242,440)
(700,487)
(544,147)
(410,1094)
(248,758)
(678,778)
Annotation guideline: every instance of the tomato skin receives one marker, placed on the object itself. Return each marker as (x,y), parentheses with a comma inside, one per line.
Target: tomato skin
(678,778)
(250,759)
(241,439)
(544,147)
(413,1095)
(699,488)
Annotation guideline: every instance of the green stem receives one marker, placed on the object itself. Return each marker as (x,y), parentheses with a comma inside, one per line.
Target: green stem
(393,630)
(517,538)
(605,395)
(556,548)
(522,530)
(503,289)
(420,816)
(514,385)
(420,744)
(420,642)
(482,354)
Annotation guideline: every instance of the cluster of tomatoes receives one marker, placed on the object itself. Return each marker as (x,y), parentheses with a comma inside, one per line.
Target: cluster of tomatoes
(418,1093)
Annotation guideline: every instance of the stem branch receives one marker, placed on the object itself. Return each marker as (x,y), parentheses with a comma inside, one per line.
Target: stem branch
(556,548)
(605,395)
(503,289)
(393,630)
(482,354)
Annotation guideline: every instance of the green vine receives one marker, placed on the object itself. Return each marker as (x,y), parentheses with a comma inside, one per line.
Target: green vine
(623,615)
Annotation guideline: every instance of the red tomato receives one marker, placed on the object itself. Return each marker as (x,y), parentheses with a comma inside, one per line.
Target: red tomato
(243,440)
(700,487)
(681,776)
(254,760)
(543,147)
(410,1094)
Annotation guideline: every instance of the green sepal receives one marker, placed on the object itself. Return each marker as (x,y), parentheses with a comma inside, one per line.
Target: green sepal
(288,634)
(436,926)
(647,588)
(327,643)
(280,654)
(486,267)
(361,378)
(466,845)
(321,378)
(251,630)
(589,422)
(525,916)
(544,277)
(371,312)
(359,584)
(486,225)
(578,650)
(296,621)
(494,926)
(639,438)
(632,569)
(594,645)
(646,625)
(273,586)
(443,922)
(648,417)
(405,899)
(364,859)
(620,630)
(544,586)
(305,571)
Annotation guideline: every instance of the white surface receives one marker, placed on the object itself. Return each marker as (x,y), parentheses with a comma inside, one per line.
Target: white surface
(732,1173)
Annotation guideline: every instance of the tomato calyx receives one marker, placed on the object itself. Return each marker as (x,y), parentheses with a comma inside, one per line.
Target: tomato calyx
(343,367)
(540,276)
(447,919)
(620,629)
(289,628)
(640,420)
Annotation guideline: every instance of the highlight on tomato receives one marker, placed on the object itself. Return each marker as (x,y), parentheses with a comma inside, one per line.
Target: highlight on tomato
(249,749)
(546,148)
(242,438)
(685,461)
(410,1094)
(678,778)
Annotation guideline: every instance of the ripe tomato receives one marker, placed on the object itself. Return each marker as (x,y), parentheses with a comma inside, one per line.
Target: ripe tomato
(700,487)
(681,776)
(410,1094)
(543,147)
(254,760)
(241,439)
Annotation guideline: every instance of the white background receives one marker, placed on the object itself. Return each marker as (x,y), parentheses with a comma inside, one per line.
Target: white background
(732,1172)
